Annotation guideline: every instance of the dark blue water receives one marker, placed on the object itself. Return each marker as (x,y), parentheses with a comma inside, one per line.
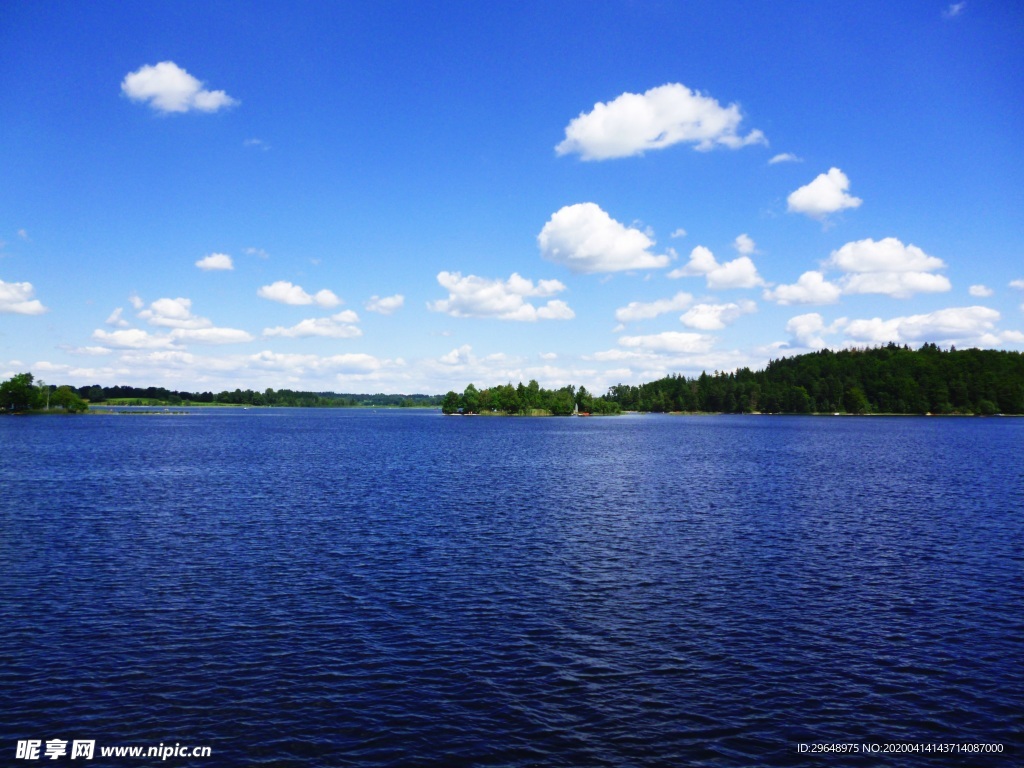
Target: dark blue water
(346,588)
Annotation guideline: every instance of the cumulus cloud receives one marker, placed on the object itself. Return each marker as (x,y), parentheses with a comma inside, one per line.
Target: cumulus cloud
(215,261)
(16,298)
(639,310)
(784,157)
(809,330)
(669,341)
(738,273)
(286,293)
(385,305)
(714,317)
(337,326)
(459,356)
(167,88)
(473,296)
(810,288)
(680,232)
(1019,284)
(980,291)
(174,313)
(632,124)
(586,239)
(888,267)
(826,194)
(744,245)
(957,325)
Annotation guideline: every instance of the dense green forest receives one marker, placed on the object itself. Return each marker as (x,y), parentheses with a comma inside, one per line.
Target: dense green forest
(890,379)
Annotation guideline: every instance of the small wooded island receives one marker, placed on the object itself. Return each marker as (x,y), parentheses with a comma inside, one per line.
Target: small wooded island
(891,379)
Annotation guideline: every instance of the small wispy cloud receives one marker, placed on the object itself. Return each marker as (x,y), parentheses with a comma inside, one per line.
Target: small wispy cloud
(256,144)
(953,10)
(785,157)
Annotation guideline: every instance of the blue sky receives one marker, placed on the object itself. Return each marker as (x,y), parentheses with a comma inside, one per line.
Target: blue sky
(406,197)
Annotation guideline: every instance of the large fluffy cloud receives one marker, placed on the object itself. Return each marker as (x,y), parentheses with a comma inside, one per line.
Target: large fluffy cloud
(638,310)
(132,338)
(738,273)
(473,296)
(169,88)
(286,293)
(826,194)
(808,330)
(888,267)
(810,288)
(669,114)
(586,239)
(17,299)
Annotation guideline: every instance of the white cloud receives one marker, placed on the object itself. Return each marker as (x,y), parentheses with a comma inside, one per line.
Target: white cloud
(169,88)
(116,320)
(585,239)
(17,298)
(174,313)
(669,114)
(980,291)
(887,267)
(136,302)
(211,335)
(714,317)
(215,261)
(1019,284)
(738,273)
(638,310)
(132,338)
(744,245)
(808,330)
(972,325)
(785,157)
(810,288)
(899,285)
(337,326)
(286,293)
(953,10)
(680,232)
(473,296)
(886,255)
(669,341)
(256,144)
(826,194)
(460,356)
(257,252)
(298,364)
(385,305)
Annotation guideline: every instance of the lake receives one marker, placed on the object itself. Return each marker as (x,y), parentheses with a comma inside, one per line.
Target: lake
(397,588)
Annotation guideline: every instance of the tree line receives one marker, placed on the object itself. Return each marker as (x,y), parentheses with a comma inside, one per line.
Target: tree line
(529,399)
(889,379)
(287,398)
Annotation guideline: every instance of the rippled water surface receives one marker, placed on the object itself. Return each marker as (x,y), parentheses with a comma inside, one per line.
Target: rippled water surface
(348,588)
